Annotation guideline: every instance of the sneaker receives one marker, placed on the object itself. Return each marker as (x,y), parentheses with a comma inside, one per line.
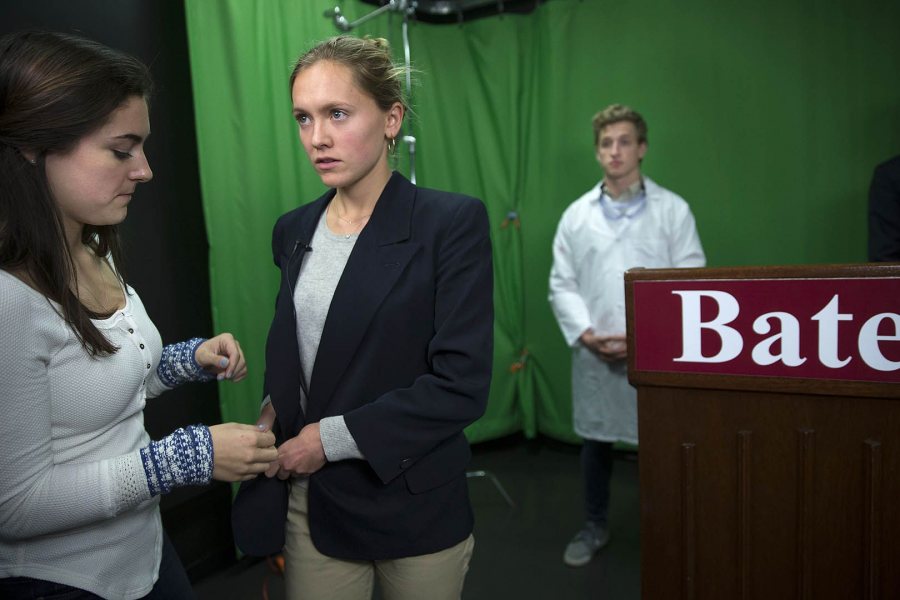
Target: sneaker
(585,545)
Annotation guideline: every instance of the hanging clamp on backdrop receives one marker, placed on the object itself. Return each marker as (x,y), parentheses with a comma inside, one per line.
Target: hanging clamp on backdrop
(519,364)
(512,217)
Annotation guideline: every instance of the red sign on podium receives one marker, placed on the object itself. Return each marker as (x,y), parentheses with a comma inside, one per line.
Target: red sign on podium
(846,329)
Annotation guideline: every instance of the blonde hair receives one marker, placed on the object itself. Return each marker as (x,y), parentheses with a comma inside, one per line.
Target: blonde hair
(369,59)
(616,113)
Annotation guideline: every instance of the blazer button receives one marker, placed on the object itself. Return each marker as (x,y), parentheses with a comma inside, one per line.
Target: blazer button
(406,463)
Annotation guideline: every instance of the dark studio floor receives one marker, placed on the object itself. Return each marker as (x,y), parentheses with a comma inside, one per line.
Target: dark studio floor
(518,551)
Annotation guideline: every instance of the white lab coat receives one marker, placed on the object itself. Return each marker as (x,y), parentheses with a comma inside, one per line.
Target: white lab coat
(587,290)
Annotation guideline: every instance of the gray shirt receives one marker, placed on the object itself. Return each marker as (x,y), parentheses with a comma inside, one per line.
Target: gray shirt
(319,276)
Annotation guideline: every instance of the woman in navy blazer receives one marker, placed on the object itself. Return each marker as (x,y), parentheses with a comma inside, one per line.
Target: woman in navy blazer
(372,455)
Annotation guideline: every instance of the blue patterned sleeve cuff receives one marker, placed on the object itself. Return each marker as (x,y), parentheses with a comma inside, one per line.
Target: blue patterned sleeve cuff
(178,364)
(185,457)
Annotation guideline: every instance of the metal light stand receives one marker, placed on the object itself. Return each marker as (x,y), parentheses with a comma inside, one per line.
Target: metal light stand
(406,8)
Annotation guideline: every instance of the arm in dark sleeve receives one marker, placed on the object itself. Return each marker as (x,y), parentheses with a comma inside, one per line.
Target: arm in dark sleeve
(884,212)
(404,425)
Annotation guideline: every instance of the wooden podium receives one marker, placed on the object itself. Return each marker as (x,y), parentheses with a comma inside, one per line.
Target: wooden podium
(769,416)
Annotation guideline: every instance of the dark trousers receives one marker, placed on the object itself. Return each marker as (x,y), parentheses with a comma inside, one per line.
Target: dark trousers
(596,468)
(172,584)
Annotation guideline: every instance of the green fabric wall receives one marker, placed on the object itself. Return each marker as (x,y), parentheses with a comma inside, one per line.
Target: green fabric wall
(767,117)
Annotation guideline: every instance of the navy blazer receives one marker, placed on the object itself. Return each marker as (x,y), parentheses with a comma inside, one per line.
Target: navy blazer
(884,212)
(405,357)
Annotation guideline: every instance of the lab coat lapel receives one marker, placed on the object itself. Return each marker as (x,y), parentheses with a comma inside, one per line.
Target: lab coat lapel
(379,257)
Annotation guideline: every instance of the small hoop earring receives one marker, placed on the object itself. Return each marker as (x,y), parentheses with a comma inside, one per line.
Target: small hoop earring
(33,161)
(392,143)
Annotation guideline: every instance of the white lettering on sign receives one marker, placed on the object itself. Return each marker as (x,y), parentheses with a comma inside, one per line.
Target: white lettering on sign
(788,335)
(785,334)
(869,349)
(691,327)
(828,319)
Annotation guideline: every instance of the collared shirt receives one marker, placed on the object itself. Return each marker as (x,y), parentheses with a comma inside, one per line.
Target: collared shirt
(620,210)
(629,193)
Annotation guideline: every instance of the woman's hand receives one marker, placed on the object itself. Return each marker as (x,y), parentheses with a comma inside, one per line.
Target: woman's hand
(266,416)
(241,452)
(301,455)
(266,420)
(222,355)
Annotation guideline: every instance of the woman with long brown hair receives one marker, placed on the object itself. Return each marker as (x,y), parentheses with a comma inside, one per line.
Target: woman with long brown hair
(80,479)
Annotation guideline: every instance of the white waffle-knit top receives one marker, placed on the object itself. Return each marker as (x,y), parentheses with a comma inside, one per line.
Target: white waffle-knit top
(74,502)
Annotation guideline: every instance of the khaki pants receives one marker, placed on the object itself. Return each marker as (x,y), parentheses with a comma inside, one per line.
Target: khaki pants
(310,575)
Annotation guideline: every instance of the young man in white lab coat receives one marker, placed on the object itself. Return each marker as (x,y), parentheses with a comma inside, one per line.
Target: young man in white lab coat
(624,221)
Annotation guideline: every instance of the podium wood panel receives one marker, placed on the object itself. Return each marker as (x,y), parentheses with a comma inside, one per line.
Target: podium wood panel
(777,497)
(762,488)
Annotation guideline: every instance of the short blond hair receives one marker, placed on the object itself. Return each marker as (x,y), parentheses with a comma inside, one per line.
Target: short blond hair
(616,113)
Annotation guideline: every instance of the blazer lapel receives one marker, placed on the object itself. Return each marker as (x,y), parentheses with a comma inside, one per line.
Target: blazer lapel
(296,242)
(379,257)
(289,372)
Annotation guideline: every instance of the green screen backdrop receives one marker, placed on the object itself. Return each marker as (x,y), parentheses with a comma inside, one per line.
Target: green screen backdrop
(768,117)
